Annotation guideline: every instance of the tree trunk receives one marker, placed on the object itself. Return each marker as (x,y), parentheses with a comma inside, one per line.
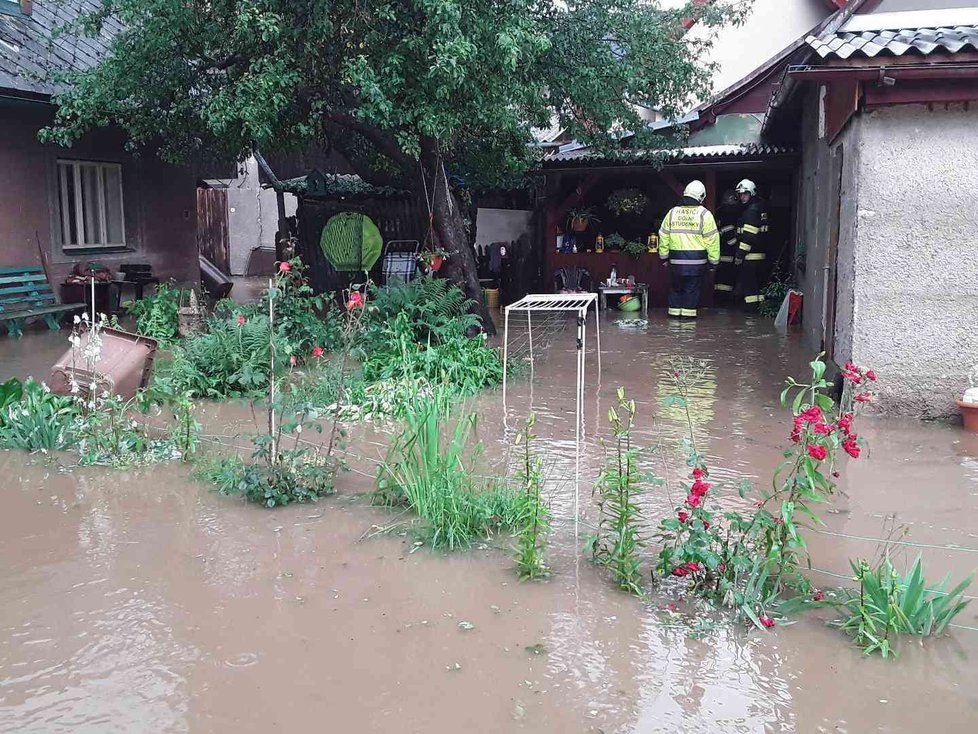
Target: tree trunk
(448,222)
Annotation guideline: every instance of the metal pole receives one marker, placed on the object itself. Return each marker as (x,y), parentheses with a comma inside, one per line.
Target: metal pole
(529,332)
(597,332)
(505,358)
(578,422)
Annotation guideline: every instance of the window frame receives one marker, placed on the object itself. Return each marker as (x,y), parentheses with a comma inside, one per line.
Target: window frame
(74,168)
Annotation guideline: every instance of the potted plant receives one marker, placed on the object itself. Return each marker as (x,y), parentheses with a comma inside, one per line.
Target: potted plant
(433,259)
(627,201)
(634,248)
(614,241)
(580,218)
(968,404)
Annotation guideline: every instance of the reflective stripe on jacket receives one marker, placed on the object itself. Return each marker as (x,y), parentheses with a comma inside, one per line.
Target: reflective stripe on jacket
(689,236)
(752,229)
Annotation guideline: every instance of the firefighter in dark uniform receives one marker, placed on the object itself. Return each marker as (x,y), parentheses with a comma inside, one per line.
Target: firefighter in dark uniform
(728,216)
(751,244)
(689,243)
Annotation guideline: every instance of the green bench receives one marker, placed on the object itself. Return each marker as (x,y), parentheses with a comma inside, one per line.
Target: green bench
(26,293)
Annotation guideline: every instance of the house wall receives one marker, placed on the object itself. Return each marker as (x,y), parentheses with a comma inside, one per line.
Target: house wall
(252,215)
(916,295)
(159,201)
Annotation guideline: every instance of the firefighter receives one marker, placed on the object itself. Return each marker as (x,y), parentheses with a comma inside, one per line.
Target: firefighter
(727,219)
(752,241)
(688,243)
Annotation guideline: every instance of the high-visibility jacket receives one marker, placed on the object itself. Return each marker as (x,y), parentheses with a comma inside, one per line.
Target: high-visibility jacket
(689,236)
(752,232)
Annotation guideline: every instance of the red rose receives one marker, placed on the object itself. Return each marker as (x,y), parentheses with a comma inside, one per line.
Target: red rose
(679,571)
(241,320)
(871,375)
(853,377)
(318,352)
(850,367)
(823,429)
(819,596)
(722,567)
(812,415)
(863,397)
(817,452)
(795,435)
(694,501)
(706,524)
(693,566)
(293,360)
(700,488)
(683,516)
(284,267)
(851,447)
(845,422)
(766,621)
(698,473)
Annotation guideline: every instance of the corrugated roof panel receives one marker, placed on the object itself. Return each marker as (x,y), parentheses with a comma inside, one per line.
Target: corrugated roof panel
(923,41)
(700,152)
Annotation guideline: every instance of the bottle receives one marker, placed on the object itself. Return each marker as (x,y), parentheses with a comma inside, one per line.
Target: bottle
(599,243)
(613,278)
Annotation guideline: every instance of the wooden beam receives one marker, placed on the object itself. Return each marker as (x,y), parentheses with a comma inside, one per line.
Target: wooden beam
(672,182)
(711,190)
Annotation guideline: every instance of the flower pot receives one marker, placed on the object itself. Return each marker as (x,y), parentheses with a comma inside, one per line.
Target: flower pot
(969,411)
(578,224)
(436,262)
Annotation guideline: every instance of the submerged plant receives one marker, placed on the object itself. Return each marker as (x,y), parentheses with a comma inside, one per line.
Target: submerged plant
(532,533)
(618,543)
(428,470)
(889,604)
(157,314)
(39,420)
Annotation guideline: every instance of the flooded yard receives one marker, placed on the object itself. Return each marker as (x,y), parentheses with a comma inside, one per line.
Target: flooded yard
(141,601)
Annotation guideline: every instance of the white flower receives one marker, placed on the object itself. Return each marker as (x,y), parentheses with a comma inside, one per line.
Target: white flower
(77,319)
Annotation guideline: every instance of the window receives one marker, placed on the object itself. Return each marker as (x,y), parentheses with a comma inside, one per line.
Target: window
(90,205)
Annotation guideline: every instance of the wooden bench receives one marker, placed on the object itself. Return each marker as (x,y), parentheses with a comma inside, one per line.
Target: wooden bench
(26,293)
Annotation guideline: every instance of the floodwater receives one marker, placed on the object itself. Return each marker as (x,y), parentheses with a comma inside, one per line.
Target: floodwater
(140,601)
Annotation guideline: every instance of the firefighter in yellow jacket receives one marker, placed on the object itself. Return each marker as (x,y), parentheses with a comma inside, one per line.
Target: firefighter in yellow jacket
(689,243)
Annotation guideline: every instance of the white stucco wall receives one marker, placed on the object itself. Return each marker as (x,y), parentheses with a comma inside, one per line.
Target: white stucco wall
(915,290)
(252,215)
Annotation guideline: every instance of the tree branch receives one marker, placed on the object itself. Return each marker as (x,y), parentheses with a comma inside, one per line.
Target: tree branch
(385,144)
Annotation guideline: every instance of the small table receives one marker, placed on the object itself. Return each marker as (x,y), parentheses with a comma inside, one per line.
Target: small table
(639,289)
(137,288)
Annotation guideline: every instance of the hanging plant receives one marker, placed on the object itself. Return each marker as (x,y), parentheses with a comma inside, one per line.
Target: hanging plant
(627,201)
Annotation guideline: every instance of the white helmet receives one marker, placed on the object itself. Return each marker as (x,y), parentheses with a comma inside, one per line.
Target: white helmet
(747,187)
(695,190)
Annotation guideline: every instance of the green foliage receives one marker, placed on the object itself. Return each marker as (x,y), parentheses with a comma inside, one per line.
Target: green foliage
(889,604)
(230,360)
(39,420)
(627,201)
(617,543)
(531,535)
(635,248)
(427,469)
(156,314)
(351,242)
(298,476)
(434,309)
(774,294)
(462,81)
(11,391)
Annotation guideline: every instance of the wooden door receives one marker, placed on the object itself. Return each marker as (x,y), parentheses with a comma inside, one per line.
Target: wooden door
(832,267)
(213,240)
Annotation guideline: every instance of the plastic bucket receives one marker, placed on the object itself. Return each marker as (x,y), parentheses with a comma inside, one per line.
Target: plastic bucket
(492,297)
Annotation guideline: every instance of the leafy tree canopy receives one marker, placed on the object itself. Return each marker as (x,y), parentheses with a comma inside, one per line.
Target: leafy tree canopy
(386,80)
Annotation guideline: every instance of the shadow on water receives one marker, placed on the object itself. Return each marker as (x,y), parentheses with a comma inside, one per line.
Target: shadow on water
(139,601)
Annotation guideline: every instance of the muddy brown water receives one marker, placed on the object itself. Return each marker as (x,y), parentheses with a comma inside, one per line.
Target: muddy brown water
(139,601)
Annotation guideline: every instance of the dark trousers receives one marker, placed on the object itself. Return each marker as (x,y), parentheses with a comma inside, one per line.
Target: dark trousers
(725,282)
(749,283)
(685,284)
